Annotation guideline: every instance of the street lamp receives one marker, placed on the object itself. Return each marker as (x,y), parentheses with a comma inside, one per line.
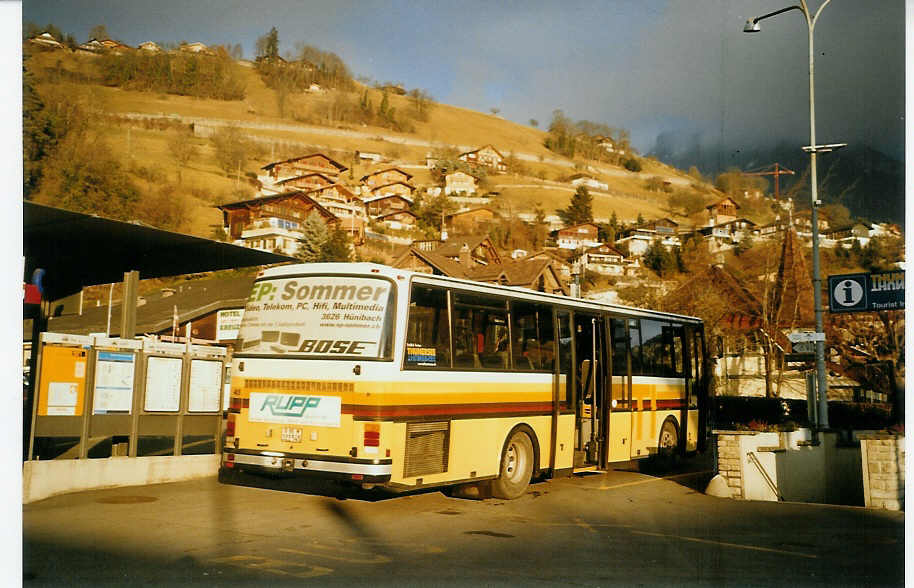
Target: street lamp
(813,149)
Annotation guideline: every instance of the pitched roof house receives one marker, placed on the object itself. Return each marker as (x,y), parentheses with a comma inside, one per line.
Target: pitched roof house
(298,166)
(486,156)
(578,236)
(385,176)
(271,223)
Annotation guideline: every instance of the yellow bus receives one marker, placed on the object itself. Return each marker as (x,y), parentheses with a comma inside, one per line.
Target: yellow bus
(383,377)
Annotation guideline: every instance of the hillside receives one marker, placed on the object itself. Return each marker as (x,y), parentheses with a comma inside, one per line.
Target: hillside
(141,130)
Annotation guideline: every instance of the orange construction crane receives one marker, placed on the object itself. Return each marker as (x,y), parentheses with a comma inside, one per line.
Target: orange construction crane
(776,170)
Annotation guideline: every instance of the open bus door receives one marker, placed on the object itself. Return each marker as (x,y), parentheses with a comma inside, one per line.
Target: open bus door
(590,390)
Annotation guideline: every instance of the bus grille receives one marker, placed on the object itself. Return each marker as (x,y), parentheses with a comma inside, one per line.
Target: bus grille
(426,448)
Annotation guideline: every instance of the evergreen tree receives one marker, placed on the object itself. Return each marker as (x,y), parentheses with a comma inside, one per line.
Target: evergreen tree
(337,246)
(314,236)
(580,209)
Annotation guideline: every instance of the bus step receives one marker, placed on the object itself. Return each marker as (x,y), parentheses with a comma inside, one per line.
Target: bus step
(586,469)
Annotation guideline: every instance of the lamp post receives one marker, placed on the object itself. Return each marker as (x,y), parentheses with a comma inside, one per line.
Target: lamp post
(813,149)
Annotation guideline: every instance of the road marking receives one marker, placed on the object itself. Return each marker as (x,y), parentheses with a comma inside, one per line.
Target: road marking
(583,525)
(725,544)
(354,558)
(649,480)
(272,566)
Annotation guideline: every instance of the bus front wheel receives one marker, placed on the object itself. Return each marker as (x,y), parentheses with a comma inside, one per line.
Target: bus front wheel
(516,467)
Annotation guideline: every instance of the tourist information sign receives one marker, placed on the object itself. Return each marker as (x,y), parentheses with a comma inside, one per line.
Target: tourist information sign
(866,292)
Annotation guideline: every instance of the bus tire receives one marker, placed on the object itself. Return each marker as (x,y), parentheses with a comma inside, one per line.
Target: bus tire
(516,467)
(668,444)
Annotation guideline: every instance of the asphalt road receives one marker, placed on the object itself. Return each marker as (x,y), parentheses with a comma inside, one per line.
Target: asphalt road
(622,528)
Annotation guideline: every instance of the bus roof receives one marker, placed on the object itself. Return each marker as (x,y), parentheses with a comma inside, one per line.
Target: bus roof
(369,269)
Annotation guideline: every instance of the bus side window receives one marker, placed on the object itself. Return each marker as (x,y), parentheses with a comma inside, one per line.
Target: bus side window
(634,334)
(531,328)
(428,335)
(480,333)
(564,322)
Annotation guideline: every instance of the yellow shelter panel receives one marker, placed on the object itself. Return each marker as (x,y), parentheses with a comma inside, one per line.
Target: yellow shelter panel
(62,381)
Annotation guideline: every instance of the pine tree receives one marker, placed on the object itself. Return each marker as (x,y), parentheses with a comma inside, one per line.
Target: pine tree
(580,209)
(314,236)
(336,247)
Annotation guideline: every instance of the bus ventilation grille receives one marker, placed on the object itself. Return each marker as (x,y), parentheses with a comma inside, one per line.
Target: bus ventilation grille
(426,448)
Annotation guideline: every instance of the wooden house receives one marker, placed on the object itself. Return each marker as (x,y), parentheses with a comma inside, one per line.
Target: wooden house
(380,205)
(605,259)
(459,182)
(401,219)
(46,41)
(578,236)
(272,223)
(393,189)
(470,221)
(299,166)
(385,176)
(486,156)
(149,47)
(722,211)
(309,181)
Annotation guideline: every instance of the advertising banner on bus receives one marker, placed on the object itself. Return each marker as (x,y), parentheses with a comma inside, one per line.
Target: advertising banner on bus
(317,316)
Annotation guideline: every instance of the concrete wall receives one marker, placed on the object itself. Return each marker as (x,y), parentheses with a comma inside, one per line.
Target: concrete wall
(882,458)
(773,466)
(43,479)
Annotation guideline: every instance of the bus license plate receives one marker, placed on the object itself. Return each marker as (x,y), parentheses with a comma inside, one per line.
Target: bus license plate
(291,434)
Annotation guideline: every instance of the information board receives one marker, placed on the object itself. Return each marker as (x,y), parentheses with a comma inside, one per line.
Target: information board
(227,324)
(205,385)
(163,384)
(113,391)
(62,381)
(866,292)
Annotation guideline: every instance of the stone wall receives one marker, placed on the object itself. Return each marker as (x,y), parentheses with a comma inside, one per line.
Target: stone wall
(883,470)
(729,462)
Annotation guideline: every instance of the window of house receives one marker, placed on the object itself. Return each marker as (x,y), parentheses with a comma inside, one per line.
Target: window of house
(428,333)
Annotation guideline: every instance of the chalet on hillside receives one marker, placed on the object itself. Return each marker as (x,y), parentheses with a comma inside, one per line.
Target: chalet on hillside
(637,240)
(457,182)
(272,223)
(115,47)
(393,189)
(727,235)
(149,47)
(588,181)
(470,221)
(196,47)
(559,258)
(605,259)
(487,156)
(306,182)
(385,176)
(379,205)
(608,145)
(722,212)
(401,219)
(92,46)
(299,166)
(578,236)
(46,41)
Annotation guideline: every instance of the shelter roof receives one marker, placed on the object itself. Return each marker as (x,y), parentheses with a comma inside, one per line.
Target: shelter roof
(78,250)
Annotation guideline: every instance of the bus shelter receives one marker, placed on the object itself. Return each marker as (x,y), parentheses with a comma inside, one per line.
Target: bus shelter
(128,391)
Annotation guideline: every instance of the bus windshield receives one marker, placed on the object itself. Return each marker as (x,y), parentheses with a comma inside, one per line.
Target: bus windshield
(319,316)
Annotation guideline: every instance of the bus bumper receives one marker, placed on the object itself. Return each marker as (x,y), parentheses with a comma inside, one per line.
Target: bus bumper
(368,471)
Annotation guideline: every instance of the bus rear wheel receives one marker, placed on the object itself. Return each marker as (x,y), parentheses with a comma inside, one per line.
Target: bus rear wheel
(516,467)
(668,445)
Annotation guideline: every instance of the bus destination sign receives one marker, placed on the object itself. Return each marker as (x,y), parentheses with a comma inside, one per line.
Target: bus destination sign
(866,292)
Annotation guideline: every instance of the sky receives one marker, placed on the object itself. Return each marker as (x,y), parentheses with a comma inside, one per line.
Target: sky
(648,66)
